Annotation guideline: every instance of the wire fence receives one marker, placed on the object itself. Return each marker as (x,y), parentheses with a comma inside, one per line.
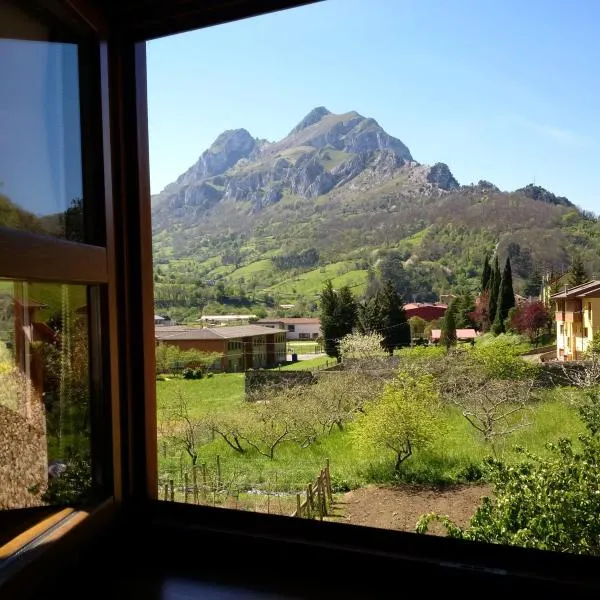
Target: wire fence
(217,483)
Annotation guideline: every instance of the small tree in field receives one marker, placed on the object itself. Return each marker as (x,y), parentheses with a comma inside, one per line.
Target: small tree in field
(403,420)
(183,430)
(531,319)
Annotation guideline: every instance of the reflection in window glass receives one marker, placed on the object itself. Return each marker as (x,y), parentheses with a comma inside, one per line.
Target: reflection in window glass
(40,145)
(399,201)
(44,395)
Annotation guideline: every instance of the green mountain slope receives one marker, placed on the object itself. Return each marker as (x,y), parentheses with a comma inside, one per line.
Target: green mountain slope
(256,223)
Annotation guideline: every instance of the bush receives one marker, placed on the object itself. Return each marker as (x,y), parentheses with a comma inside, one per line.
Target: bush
(192,373)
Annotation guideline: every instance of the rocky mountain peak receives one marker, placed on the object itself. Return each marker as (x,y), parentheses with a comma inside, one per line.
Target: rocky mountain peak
(441,176)
(314,116)
(536,192)
(229,147)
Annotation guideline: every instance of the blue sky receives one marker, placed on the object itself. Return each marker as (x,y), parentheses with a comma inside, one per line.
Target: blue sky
(504,91)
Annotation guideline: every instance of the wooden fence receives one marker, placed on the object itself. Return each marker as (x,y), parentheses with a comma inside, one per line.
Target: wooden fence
(318,496)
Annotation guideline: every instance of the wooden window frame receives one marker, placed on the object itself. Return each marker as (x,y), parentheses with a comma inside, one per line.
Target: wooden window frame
(128,302)
(32,257)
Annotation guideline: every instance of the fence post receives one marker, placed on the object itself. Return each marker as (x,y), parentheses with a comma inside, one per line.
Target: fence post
(181,469)
(204,474)
(319,498)
(328,481)
(172,484)
(309,501)
(298,503)
(195,483)
(166,492)
(185,490)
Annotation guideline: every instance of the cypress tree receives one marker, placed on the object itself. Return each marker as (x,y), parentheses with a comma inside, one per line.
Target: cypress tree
(369,317)
(486,275)
(396,329)
(346,311)
(448,333)
(465,305)
(329,322)
(506,299)
(578,273)
(495,280)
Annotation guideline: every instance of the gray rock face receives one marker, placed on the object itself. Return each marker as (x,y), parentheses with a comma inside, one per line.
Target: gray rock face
(239,168)
(441,176)
(314,116)
(226,151)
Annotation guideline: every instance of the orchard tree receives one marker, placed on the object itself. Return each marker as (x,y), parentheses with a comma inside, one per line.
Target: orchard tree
(532,319)
(403,421)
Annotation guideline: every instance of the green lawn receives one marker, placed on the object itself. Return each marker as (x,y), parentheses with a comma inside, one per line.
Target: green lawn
(311,363)
(300,347)
(452,458)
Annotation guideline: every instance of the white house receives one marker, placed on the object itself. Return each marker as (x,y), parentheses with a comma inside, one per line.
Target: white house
(296,328)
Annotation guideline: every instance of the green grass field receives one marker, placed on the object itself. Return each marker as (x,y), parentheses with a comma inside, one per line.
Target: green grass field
(449,460)
(311,363)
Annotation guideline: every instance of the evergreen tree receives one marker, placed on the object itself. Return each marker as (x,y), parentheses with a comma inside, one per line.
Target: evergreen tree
(369,317)
(495,280)
(347,310)
(448,333)
(396,329)
(533,285)
(578,273)
(486,274)
(506,299)
(329,320)
(465,305)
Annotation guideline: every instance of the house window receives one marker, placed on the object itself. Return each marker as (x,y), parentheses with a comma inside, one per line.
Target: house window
(291,328)
(585,332)
(304,336)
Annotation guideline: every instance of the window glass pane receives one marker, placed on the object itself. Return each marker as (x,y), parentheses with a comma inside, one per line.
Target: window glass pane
(40,146)
(44,395)
(367,239)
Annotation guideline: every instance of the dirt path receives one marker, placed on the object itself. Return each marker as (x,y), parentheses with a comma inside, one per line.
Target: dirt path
(401,507)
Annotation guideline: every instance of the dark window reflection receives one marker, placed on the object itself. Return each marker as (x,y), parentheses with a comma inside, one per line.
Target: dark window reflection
(44,395)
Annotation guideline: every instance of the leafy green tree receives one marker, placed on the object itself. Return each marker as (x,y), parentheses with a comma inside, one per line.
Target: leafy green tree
(448,333)
(392,269)
(486,274)
(404,420)
(395,328)
(338,316)
(578,273)
(495,280)
(548,503)
(506,300)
